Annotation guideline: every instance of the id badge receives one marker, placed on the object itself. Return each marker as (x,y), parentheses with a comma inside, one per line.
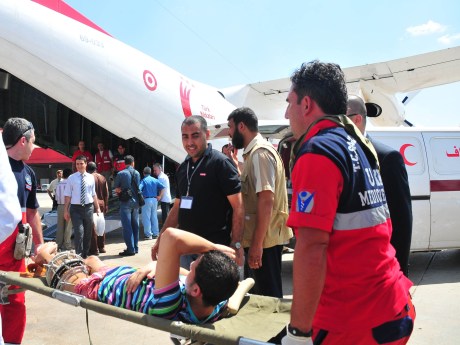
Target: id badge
(186,202)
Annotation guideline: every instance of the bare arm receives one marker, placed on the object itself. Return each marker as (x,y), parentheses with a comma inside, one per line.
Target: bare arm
(66,208)
(33,218)
(172,221)
(265,201)
(236,201)
(106,197)
(174,243)
(161,194)
(96,204)
(310,262)
(232,153)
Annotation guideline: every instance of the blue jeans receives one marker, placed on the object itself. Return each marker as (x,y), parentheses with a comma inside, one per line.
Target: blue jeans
(129,213)
(150,217)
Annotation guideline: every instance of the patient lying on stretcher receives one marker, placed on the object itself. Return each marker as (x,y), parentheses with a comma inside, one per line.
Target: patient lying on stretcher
(156,289)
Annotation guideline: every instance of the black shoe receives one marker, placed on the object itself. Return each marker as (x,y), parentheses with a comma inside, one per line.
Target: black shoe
(126,253)
(102,250)
(147,238)
(154,237)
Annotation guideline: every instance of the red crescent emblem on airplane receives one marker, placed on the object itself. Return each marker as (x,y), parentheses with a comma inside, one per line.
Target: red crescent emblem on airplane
(402,151)
(185,99)
(150,80)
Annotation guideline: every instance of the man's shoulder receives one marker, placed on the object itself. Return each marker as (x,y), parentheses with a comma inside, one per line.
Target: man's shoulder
(99,177)
(382,148)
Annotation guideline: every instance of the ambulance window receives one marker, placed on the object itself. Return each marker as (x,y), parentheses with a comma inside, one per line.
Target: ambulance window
(446,154)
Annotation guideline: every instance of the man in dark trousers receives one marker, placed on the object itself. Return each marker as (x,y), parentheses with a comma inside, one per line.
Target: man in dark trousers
(80,203)
(127,182)
(396,185)
(102,192)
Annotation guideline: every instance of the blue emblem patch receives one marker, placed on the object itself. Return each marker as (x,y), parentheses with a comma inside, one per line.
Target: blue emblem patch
(28,182)
(305,201)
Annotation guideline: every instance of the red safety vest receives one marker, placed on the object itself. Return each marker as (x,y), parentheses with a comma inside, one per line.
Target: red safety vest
(103,163)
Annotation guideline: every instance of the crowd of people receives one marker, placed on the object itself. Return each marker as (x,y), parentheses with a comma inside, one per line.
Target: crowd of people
(350,267)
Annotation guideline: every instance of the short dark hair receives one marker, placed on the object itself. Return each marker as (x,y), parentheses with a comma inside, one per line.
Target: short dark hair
(91,167)
(217,276)
(66,173)
(324,83)
(245,115)
(82,158)
(191,120)
(129,159)
(14,129)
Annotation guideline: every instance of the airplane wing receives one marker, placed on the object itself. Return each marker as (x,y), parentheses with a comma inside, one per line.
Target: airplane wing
(376,83)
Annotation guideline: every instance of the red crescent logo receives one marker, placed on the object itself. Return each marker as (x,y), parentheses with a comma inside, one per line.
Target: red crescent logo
(150,80)
(402,151)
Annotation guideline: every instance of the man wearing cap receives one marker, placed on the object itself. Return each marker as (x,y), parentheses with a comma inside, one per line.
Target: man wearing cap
(395,182)
(152,190)
(19,138)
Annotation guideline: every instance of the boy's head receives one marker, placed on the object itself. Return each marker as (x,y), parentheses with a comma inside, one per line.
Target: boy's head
(217,276)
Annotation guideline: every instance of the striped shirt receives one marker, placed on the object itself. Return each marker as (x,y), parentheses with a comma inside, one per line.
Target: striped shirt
(169,302)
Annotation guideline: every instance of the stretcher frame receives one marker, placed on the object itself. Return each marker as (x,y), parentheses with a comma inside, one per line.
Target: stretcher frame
(259,318)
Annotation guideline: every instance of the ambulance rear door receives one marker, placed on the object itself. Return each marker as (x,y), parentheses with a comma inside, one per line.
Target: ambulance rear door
(443,152)
(410,143)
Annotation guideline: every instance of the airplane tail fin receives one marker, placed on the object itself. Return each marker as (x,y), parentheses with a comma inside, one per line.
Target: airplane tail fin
(63,8)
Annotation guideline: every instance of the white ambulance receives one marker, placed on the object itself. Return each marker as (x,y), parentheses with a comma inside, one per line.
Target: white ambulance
(432,158)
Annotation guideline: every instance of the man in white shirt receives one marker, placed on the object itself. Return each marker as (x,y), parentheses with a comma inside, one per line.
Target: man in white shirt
(52,188)
(64,228)
(80,198)
(165,201)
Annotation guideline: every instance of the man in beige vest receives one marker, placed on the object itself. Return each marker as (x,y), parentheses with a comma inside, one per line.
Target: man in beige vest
(265,202)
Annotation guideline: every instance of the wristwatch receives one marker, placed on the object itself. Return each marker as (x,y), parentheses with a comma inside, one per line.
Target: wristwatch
(298,333)
(236,245)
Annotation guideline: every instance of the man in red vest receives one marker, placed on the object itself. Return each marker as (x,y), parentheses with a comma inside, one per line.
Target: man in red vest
(103,159)
(81,151)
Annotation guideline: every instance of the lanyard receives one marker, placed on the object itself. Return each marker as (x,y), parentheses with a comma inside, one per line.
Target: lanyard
(189,179)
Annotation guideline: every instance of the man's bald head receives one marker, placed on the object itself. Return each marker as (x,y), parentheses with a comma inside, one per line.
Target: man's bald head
(356,111)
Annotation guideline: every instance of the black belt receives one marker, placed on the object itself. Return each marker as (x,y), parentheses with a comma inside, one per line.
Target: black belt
(149,197)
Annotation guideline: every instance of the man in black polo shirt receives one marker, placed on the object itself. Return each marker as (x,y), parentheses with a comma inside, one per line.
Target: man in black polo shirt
(208,196)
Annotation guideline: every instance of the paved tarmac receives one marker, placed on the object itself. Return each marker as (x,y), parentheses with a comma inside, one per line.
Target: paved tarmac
(436,296)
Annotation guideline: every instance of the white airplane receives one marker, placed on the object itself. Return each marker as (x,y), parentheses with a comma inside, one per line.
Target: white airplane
(50,46)
(58,51)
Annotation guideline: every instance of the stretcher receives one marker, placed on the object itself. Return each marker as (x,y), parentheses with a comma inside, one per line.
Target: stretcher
(258,319)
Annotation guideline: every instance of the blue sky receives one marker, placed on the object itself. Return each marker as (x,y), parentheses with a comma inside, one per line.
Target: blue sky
(225,43)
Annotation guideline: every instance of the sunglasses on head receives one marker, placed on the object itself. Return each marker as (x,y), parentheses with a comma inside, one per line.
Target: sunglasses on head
(29,127)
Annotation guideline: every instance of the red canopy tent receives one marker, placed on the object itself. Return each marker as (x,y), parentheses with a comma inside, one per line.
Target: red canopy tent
(47,156)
